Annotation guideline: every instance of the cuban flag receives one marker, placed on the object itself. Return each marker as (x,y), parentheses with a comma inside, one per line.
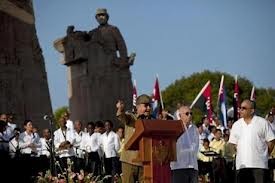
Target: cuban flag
(156,100)
(204,101)
(222,103)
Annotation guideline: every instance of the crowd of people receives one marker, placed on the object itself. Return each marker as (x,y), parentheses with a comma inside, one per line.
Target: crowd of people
(94,148)
(206,151)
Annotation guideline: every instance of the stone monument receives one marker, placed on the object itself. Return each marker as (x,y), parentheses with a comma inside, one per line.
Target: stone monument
(97,76)
(23,79)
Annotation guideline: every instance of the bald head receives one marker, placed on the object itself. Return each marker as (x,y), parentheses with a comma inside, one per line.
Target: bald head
(251,103)
(185,114)
(247,109)
(78,125)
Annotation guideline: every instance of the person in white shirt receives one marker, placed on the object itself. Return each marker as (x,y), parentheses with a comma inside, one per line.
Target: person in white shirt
(63,142)
(202,134)
(110,145)
(253,139)
(91,143)
(14,149)
(79,151)
(29,144)
(69,123)
(45,151)
(8,133)
(185,169)
(270,119)
(212,129)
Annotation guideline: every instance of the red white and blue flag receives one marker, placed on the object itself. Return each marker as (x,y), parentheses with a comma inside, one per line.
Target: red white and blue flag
(222,103)
(157,104)
(204,101)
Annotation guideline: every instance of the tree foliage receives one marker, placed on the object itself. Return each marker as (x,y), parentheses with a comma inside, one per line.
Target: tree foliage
(59,111)
(186,89)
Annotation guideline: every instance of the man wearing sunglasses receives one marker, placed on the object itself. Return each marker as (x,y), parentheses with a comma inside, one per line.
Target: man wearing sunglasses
(185,169)
(253,139)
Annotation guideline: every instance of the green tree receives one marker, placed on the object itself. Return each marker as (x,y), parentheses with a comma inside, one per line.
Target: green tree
(58,113)
(187,88)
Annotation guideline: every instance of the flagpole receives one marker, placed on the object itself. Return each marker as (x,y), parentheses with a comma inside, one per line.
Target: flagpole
(161,101)
(236,99)
(220,91)
(134,95)
(198,96)
(252,93)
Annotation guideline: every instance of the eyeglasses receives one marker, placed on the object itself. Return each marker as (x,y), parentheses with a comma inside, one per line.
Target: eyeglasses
(188,113)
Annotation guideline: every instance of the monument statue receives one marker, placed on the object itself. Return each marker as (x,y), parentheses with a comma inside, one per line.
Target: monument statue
(98,70)
(24,88)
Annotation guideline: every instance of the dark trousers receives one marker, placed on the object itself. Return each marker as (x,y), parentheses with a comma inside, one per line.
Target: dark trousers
(79,164)
(206,168)
(111,166)
(251,175)
(43,164)
(230,173)
(219,170)
(93,164)
(64,165)
(186,175)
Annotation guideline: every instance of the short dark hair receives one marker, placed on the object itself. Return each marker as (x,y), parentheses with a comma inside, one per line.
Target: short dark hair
(26,121)
(91,123)
(205,140)
(110,122)
(199,125)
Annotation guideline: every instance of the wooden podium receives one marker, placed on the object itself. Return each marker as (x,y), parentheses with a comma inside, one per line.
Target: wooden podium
(156,142)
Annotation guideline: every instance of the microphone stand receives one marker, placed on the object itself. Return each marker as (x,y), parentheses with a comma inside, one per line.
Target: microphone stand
(52,149)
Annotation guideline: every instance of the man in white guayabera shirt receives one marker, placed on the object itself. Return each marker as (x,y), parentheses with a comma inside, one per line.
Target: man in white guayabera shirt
(185,169)
(64,140)
(254,140)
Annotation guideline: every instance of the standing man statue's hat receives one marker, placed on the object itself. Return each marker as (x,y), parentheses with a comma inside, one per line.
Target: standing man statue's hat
(101,11)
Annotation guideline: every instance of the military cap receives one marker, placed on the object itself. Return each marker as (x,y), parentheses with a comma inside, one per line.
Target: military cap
(101,11)
(143,99)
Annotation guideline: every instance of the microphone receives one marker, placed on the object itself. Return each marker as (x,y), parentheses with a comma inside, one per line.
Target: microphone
(47,117)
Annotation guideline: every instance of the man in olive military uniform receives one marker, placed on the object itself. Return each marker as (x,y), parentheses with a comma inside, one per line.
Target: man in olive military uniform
(132,171)
(109,37)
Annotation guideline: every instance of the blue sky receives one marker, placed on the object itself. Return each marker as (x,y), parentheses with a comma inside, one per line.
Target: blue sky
(171,38)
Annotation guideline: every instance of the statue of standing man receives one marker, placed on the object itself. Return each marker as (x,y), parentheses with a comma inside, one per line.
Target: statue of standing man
(110,38)
(99,73)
